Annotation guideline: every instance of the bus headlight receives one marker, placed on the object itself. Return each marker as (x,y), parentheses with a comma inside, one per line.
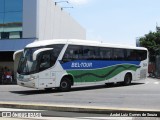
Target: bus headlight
(32,78)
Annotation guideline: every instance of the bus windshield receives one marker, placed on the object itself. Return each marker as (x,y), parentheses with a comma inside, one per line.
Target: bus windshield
(26,63)
(45,60)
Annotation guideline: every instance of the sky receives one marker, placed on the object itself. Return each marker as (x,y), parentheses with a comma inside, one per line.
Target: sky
(115,21)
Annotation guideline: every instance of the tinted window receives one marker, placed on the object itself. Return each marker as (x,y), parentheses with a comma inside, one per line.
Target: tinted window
(5,35)
(138,55)
(13,5)
(90,53)
(11,19)
(48,58)
(13,22)
(15,35)
(73,52)
(142,55)
(6,56)
(1,6)
(118,54)
(105,53)
(45,60)
(1,22)
(131,55)
(56,49)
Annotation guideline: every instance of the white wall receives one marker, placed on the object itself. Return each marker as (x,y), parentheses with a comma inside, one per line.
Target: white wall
(42,19)
(55,23)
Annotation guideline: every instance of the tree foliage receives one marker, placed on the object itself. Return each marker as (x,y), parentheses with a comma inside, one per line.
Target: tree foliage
(152,42)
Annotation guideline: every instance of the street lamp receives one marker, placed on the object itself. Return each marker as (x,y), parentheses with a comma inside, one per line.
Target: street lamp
(61,2)
(65,7)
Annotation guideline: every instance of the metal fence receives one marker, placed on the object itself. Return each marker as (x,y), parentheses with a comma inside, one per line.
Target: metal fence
(157,67)
(154,68)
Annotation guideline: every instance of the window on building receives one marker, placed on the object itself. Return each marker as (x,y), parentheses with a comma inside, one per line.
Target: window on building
(7,56)
(1,22)
(1,6)
(13,5)
(13,35)
(11,19)
(5,35)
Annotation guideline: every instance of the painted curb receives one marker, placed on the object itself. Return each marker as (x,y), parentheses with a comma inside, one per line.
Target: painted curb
(69,108)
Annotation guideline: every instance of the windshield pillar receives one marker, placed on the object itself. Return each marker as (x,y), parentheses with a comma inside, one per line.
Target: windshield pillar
(16,62)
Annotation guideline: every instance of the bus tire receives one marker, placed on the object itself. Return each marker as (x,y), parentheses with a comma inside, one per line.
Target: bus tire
(65,85)
(127,79)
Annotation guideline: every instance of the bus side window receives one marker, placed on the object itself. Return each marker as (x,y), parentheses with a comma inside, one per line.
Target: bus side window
(144,55)
(141,55)
(105,53)
(65,57)
(131,55)
(101,55)
(115,54)
(73,52)
(45,61)
(53,58)
(90,53)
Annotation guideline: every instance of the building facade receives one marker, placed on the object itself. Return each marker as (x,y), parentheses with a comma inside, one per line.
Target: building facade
(24,21)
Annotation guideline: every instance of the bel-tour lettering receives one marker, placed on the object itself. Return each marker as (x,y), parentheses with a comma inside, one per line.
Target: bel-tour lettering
(81,65)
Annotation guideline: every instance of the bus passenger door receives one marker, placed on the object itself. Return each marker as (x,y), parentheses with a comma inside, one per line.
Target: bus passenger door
(44,66)
(45,79)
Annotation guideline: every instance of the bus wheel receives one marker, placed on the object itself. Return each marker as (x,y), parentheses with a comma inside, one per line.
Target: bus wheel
(127,79)
(65,84)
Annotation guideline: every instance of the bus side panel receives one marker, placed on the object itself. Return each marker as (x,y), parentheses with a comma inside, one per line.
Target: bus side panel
(120,77)
(57,73)
(142,72)
(46,80)
(114,73)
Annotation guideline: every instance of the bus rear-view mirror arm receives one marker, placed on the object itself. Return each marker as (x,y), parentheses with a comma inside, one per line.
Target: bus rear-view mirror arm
(39,51)
(17,52)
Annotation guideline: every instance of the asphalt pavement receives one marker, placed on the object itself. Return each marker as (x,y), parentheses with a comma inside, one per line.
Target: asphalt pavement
(141,95)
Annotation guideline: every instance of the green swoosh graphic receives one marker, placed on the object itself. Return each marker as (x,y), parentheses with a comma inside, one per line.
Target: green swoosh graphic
(100,74)
(103,76)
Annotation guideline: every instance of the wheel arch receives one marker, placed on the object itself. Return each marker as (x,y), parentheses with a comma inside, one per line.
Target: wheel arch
(70,77)
(129,73)
(127,78)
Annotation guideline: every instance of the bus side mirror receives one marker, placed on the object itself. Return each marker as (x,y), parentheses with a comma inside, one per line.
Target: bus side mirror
(15,54)
(39,51)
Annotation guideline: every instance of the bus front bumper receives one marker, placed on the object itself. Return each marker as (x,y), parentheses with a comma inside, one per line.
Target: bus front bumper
(30,84)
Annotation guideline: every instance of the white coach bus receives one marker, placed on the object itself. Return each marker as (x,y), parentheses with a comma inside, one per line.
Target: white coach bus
(62,63)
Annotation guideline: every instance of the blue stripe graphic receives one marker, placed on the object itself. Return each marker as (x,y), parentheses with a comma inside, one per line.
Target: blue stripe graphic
(94,64)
